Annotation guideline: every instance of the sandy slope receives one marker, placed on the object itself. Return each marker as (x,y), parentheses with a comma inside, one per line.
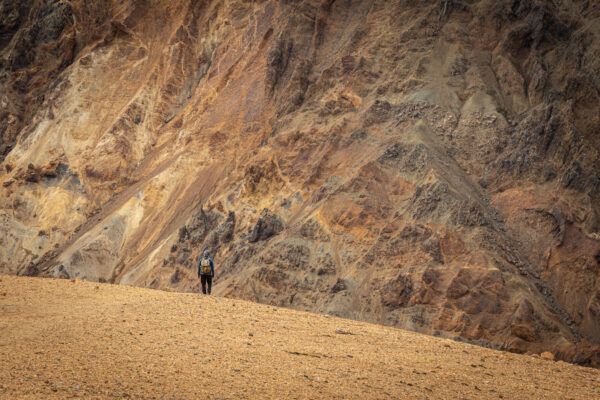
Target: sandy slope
(63,338)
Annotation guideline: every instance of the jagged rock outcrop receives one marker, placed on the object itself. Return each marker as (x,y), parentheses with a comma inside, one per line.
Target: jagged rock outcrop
(428,165)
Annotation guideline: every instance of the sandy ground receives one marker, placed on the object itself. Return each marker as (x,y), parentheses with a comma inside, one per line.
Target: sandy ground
(77,339)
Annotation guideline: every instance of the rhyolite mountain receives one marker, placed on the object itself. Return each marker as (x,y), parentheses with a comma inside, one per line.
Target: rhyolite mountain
(431,165)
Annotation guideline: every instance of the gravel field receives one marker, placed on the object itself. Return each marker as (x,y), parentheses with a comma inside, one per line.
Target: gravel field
(78,339)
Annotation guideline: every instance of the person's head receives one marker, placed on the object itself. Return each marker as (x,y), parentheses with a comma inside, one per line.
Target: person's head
(206,253)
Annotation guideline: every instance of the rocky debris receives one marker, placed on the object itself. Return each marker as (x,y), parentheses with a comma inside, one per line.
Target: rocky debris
(339,286)
(325,264)
(177,276)
(60,272)
(288,255)
(277,62)
(312,230)
(36,173)
(429,201)
(406,158)
(222,235)
(262,178)
(546,355)
(200,224)
(55,18)
(432,247)
(267,226)
(470,213)
(380,111)
(397,293)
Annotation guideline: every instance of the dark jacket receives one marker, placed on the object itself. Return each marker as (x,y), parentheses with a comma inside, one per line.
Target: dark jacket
(212,267)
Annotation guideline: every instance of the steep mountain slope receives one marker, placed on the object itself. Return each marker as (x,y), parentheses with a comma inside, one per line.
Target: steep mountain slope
(127,342)
(431,166)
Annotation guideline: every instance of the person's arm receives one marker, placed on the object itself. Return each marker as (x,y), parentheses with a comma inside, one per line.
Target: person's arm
(198,267)
(212,267)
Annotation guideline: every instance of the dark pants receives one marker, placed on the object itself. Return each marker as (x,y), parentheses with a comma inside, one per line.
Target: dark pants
(204,279)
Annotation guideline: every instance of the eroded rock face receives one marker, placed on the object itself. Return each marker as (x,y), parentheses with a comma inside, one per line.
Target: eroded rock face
(429,167)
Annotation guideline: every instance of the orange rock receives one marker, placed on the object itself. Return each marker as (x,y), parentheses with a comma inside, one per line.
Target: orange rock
(546,355)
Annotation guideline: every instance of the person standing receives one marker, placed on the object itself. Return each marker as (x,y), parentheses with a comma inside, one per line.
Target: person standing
(206,272)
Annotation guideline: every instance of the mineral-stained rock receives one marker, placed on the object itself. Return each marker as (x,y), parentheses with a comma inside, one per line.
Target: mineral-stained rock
(432,166)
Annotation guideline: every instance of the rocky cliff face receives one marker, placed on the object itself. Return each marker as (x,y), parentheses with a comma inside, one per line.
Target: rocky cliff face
(428,165)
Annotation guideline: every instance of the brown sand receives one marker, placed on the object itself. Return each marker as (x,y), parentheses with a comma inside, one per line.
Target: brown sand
(77,339)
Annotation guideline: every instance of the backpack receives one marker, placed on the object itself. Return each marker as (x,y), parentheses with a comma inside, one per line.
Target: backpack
(205,267)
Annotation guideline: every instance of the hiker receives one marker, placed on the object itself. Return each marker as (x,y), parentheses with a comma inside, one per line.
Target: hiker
(206,271)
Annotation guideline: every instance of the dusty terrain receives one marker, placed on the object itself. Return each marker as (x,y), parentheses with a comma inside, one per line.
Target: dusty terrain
(63,339)
(427,165)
